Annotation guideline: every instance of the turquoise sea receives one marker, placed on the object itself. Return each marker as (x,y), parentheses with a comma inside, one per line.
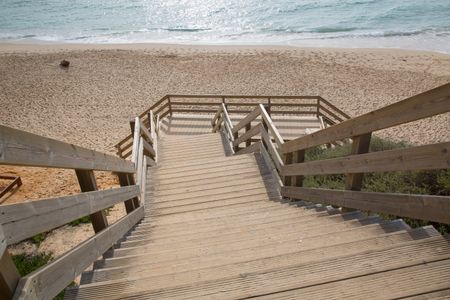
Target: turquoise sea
(410,24)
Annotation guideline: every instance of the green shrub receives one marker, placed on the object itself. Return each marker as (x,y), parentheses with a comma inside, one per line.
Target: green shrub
(26,264)
(82,220)
(38,238)
(434,182)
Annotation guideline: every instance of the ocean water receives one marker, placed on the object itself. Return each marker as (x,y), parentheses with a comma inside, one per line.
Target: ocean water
(410,24)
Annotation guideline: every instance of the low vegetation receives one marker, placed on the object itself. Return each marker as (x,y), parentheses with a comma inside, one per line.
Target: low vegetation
(435,182)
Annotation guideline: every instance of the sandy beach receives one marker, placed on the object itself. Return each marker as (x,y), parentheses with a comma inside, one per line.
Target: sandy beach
(90,103)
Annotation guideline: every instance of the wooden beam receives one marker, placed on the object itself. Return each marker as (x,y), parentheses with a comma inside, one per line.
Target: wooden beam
(48,281)
(250,149)
(271,126)
(248,119)
(247,135)
(24,220)
(271,149)
(86,180)
(424,207)
(9,276)
(427,104)
(26,149)
(428,157)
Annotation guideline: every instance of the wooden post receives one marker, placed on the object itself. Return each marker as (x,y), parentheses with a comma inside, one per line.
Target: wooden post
(9,276)
(360,145)
(288,158)
(132,124)
(247,128)
(353,182)
(298,157)
(124,181)
(170,106)
(318,107)
(235,136)
(86,180)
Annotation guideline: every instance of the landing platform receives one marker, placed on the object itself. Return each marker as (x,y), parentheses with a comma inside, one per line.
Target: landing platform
(290,127)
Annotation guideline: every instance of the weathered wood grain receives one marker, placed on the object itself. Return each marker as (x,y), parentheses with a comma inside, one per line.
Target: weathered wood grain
(427,104)
(21,148)
(24,220)
(424,207)
(48,281)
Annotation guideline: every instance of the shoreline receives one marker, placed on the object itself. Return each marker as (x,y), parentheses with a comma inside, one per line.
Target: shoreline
(50,47)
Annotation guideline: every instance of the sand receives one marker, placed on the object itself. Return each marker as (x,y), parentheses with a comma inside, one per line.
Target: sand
(90,103)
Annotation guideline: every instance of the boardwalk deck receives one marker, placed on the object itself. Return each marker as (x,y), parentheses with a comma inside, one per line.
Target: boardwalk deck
(290,127)
(216,227)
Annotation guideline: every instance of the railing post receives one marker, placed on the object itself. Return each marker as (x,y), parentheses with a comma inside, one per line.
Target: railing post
(124,180)
(170,106)
(132,124)
(235,137)
(9,276)
(318,107)
(360,145)
(288,158)
(298,157)
(247,128)
(86,180)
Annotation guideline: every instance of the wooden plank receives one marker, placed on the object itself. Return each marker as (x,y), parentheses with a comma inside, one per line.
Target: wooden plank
(9,276)
(26,149)
(428,157)
(180,103)
(248,119)
(87,182)
(250,149)
(48,281)
(271,149)
(424,207)
(329,112)
(148,148)
(342,113)
(271,126)
(246,136)
(293,112)
(427,104)
(24,220)
(239,96)
(145,133)
(15,181)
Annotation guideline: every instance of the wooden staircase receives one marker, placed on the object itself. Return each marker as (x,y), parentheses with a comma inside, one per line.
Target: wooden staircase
(216,206)
(216,227)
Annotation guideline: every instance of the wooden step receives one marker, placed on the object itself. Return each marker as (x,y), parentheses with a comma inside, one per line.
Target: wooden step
(304,239)
(247,255)
(274,275)
(245,239)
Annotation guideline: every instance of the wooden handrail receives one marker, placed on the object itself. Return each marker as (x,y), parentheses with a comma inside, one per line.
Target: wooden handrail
(428,157)
(172,103)
(26,149)
(24,220)
(427,104)
(359,129)
(48,281)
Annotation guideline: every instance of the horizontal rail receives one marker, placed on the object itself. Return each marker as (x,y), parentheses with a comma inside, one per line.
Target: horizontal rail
(435,156)
(48,281)
(255,147)
(239,96)
(247,120)
(23,220)
(246,136)
(427,104)
(424,207)
(26,149)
